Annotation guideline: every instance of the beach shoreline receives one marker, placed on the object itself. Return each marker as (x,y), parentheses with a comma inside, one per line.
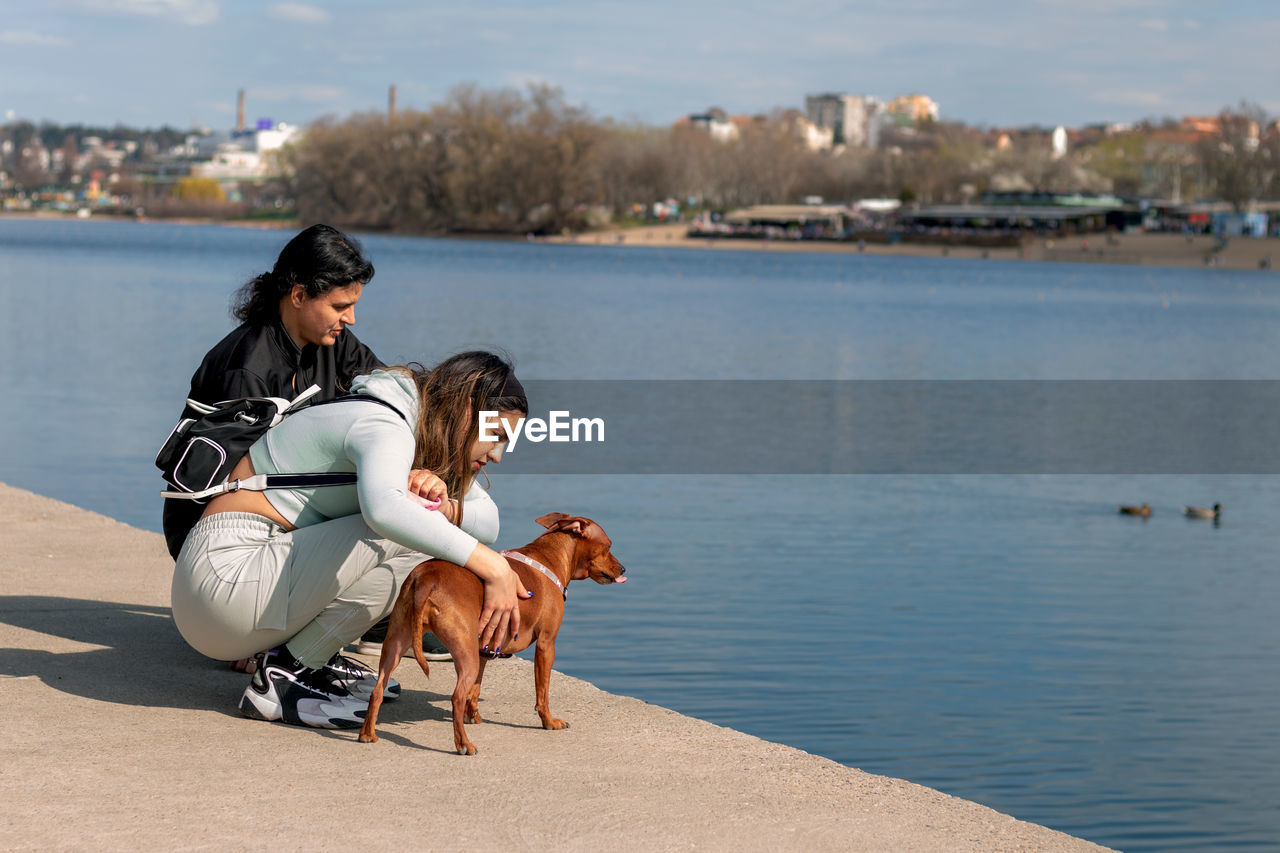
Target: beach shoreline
(1175,250)
(1201,251)
(122,734)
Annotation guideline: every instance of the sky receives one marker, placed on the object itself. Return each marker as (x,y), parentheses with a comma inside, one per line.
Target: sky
(147,63)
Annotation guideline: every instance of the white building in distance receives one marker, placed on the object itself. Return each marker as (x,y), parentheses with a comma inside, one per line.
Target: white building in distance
(248,154)
(715,124)
(1059,142)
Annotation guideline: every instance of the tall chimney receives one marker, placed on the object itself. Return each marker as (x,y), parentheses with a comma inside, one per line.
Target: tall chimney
(391,102)
(240,110)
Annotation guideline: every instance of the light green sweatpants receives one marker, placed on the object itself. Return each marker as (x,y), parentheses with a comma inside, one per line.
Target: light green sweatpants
(243,584)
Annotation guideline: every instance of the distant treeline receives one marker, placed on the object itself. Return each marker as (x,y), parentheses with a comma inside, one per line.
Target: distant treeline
(512,162)
(53,135)
(504,161)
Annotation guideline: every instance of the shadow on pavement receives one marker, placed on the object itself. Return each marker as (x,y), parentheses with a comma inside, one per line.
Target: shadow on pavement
(143,660)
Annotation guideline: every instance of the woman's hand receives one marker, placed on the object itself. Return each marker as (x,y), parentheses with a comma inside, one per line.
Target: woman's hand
(449,509)
(500,617)
(427,487)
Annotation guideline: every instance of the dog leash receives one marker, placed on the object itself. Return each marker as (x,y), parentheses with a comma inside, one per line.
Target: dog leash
(529,561)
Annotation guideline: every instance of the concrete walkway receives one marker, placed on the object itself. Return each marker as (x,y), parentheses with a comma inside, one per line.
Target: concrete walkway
(116,736)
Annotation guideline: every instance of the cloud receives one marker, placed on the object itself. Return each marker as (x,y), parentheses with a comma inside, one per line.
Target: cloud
(1157,24)
(357,58)
(299,13)
(24,38)
(527,80)
(193,13)
(312,93)
(1075,7)
(1131,98)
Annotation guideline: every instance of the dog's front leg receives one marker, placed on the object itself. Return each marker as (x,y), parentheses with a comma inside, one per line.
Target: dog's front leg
(543,657)
(467,662)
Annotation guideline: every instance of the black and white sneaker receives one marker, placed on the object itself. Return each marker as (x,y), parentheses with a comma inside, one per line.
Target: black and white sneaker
(359,679)
(284,689)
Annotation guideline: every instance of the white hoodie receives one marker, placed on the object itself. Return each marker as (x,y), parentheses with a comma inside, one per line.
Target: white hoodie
(378,445)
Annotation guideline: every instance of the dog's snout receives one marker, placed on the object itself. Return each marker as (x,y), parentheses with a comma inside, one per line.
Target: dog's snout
(622,570)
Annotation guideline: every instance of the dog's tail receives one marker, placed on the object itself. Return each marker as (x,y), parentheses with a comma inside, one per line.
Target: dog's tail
(421,605)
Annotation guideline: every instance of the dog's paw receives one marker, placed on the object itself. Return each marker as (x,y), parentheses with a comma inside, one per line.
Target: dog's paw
(473,717)
(554,724)
(467,749)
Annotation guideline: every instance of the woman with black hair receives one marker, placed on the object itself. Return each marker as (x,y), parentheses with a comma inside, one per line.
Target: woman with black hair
(293,334)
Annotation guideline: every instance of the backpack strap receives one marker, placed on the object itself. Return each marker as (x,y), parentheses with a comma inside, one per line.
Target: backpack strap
(360,398)
(261,482)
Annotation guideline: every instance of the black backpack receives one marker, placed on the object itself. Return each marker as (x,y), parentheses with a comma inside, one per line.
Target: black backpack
(201,452)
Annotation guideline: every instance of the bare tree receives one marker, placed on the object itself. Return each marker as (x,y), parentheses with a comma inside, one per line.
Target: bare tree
(1239,164)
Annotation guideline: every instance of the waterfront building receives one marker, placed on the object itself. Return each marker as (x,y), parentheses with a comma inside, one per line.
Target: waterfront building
(846,116)
(245,154)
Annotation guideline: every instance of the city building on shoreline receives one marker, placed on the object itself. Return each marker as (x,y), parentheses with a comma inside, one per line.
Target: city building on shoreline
(245,154)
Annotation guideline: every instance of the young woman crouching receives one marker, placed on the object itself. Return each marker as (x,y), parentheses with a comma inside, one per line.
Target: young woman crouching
(303,572)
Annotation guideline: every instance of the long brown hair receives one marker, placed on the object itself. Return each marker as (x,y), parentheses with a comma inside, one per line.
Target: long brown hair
(451,396)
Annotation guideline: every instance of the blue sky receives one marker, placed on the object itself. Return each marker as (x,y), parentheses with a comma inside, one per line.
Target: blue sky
(180,62)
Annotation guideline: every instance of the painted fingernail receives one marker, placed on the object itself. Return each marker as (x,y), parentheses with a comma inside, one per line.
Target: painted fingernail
(498,650)
(515,636)
(531,593)
(486,648)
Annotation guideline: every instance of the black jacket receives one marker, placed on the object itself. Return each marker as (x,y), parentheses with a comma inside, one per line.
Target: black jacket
(263,361)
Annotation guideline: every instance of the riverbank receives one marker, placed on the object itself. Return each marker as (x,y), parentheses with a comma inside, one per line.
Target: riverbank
(120,736)
(1140,249)
(55,215)
(1172,250)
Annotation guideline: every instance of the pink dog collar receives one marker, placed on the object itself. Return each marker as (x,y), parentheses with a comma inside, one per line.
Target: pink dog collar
(529,561)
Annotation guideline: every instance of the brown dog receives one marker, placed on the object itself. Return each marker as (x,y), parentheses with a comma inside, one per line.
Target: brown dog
(446,599)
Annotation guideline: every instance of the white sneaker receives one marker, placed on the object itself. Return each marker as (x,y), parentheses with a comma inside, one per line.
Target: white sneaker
(283,689)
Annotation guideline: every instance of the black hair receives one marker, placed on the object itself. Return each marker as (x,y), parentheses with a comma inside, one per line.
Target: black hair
(319,258)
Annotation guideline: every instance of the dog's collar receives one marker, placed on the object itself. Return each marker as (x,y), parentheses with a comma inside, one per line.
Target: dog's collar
(529,561)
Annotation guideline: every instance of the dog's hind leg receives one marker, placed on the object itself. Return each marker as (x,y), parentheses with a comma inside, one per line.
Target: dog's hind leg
(473,696)
(399,635)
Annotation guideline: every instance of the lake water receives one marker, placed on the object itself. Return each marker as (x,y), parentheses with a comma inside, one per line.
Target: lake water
(1004,638)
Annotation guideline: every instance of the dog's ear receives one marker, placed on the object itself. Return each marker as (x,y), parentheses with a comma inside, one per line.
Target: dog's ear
(549,520)
(557,522)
